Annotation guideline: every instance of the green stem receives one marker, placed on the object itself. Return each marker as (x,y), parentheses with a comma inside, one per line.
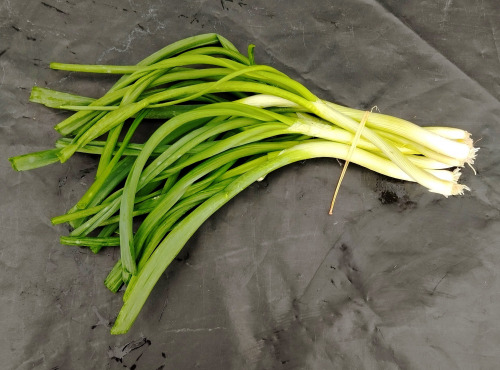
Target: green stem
(94,242)
(131,185)
(34,160)
(181,208)
(104,176)
(176,239)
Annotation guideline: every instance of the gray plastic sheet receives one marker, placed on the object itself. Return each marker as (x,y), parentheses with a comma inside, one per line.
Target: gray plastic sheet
(397,278)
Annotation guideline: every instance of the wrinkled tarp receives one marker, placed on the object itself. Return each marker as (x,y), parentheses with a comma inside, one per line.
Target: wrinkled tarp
(397,278)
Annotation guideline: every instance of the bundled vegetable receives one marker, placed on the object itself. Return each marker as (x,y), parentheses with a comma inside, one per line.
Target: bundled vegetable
(228,123)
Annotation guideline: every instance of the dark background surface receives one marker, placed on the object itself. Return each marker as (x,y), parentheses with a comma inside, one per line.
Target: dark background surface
(405,281)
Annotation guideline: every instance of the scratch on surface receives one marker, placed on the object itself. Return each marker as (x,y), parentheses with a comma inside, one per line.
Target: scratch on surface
(9,9)
(318,268)
(3,75)
(351,31)
(102,321)
(289,237)
(303,34)
(152,15)
(269,244)
(195,330)
(61,80)
(131,37)
(447,5)
(163,309)
(493,34)
(53,7)
(439,282)
(445,11)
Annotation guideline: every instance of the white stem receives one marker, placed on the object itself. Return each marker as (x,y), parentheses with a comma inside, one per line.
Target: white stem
(421,176)
(405,128)
(449,132)
(376,163)
(438,139)
(266,101)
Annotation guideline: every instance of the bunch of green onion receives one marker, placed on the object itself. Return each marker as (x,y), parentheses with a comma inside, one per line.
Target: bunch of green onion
(228,122)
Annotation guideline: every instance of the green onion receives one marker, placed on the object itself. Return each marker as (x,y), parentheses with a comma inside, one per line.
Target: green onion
(227,123)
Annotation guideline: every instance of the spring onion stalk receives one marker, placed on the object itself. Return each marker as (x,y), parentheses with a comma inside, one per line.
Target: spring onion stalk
(130,96)
(167,223)
(122,214)
(125,215)
(98,194)
(168,249)
(104,175)
(145,205)
(89,211)
(168,154)
(62,100)
(317,106)
(227,123)
(31,161)
(106,231)
(179,189)
(95,242)
(132,183)
(54,99)
(329,112)
(114,279)
(69,125)
(437,139)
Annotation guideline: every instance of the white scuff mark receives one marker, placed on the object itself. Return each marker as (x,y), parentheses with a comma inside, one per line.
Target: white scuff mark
(289,237)
(101,319)
(494,36)
(351,31)
(303,34)
(446,9)
(3,75)
(152,14)
(8,7)
(447,6)
(195,330)
(30,363)
(130,38)
(61,80)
